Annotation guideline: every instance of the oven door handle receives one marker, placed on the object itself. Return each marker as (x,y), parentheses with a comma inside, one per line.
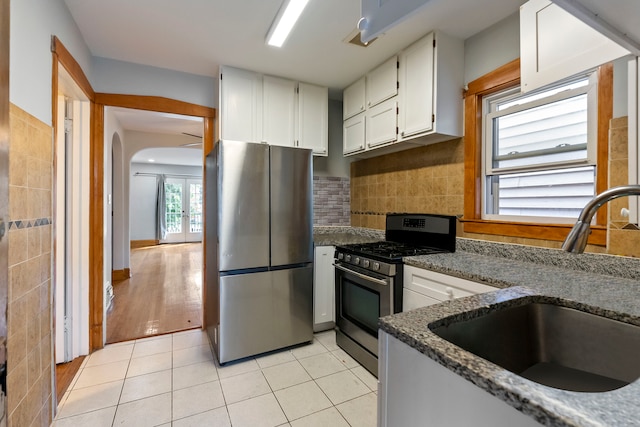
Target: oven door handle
(362,276)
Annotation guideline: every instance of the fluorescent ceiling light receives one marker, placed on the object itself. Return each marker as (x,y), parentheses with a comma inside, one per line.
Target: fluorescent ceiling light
(284,22)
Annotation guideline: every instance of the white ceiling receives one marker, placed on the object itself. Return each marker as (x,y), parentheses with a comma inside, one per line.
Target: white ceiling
(169,156)
(197,36)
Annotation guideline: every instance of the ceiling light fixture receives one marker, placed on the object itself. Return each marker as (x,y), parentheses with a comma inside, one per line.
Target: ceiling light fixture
(285,20)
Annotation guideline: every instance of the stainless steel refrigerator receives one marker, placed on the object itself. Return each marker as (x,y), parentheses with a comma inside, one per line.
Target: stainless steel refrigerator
(258,248)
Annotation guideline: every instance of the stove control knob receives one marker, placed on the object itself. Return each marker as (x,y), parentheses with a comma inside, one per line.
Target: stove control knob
(376,266)
(365,263)
(356,261)
(347,258)
(340,255)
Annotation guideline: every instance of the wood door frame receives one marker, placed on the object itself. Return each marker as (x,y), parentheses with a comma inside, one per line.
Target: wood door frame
(61,56)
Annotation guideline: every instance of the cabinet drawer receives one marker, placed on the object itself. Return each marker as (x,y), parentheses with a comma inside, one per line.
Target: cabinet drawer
(412,300)
(438,286)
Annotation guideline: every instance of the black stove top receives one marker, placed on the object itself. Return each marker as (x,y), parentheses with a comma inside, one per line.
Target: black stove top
(406,235)
(389,251)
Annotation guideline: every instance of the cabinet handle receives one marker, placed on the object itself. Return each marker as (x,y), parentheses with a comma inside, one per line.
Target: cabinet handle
(402,133)
(369,104)
(449,292)
(361,107)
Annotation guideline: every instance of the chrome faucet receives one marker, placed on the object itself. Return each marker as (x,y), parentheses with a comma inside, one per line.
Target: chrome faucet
(576,240)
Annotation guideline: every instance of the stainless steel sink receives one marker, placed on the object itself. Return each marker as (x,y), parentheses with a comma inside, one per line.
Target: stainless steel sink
(552,345)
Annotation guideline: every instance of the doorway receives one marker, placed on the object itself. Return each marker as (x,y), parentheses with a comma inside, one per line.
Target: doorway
(71,220)
(182,210)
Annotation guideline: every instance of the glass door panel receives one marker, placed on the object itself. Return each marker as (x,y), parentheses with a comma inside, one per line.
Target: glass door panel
(183,210)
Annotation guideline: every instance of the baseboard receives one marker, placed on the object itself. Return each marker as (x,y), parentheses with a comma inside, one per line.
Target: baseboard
(144,243)
(119,275)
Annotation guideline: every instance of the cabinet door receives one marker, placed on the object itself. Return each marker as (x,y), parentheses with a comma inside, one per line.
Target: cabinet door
(556,45)
(424,287)
(279,96)
(354,134)
(313,118)
(382,122)
(240,105)
(353,99)
(416,94)
(324,286)
(382,83)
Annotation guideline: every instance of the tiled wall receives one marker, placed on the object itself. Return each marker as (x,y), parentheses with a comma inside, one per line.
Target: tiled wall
(430,179)
(427,179)
(30,360)
(622,238)
(331,200)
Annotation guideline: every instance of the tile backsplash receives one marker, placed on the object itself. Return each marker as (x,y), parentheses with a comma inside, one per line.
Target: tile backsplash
(331,200)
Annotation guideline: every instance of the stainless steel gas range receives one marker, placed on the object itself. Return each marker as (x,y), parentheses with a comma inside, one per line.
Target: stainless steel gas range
(369,278)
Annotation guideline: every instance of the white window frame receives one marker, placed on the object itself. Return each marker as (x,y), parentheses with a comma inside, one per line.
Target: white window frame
(488,170)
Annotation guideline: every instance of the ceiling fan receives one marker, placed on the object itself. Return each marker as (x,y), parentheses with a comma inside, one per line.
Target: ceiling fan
(192,144)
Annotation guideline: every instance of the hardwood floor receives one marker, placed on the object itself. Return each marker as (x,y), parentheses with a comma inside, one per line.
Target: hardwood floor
(65,372)
(163,295)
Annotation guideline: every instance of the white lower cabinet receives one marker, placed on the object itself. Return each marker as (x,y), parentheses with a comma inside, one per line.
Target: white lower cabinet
(414,390)
(424,287)
(323,289)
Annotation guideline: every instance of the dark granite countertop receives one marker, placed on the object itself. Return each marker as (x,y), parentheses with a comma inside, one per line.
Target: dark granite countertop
(599,284)
(333,235)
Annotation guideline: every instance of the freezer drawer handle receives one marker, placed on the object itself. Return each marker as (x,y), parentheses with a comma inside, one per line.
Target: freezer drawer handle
(362,276)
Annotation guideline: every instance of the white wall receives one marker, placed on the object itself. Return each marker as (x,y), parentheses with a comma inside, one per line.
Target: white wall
(143,193)
(335,164)
(492,47)
(112,76)
(33,22)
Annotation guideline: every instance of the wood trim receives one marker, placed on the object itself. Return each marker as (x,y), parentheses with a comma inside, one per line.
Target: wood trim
(502,78)
(71,65)
(155,103)
(120,275)
(96,182)
(96,227)
(135,244)
(605,113)
(555,232)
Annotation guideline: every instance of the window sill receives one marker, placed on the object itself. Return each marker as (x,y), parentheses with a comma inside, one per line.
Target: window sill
(556,232)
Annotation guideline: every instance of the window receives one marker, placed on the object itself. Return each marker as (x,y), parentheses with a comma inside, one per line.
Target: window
(475,219)
(540,152)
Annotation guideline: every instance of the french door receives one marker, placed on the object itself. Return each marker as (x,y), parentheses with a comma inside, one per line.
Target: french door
(183,210)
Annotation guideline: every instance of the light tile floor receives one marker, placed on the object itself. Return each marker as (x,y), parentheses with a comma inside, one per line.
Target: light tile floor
(174,380)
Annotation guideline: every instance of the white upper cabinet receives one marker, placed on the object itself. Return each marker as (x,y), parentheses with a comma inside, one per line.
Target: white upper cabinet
(382,123)
(240,105)
(555,45)
(416,96)
(278,111)
(313,118)
(619,23)
(427,78)
(382,82)
(273,110)
(353,99)
(431,77)
(353,136)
